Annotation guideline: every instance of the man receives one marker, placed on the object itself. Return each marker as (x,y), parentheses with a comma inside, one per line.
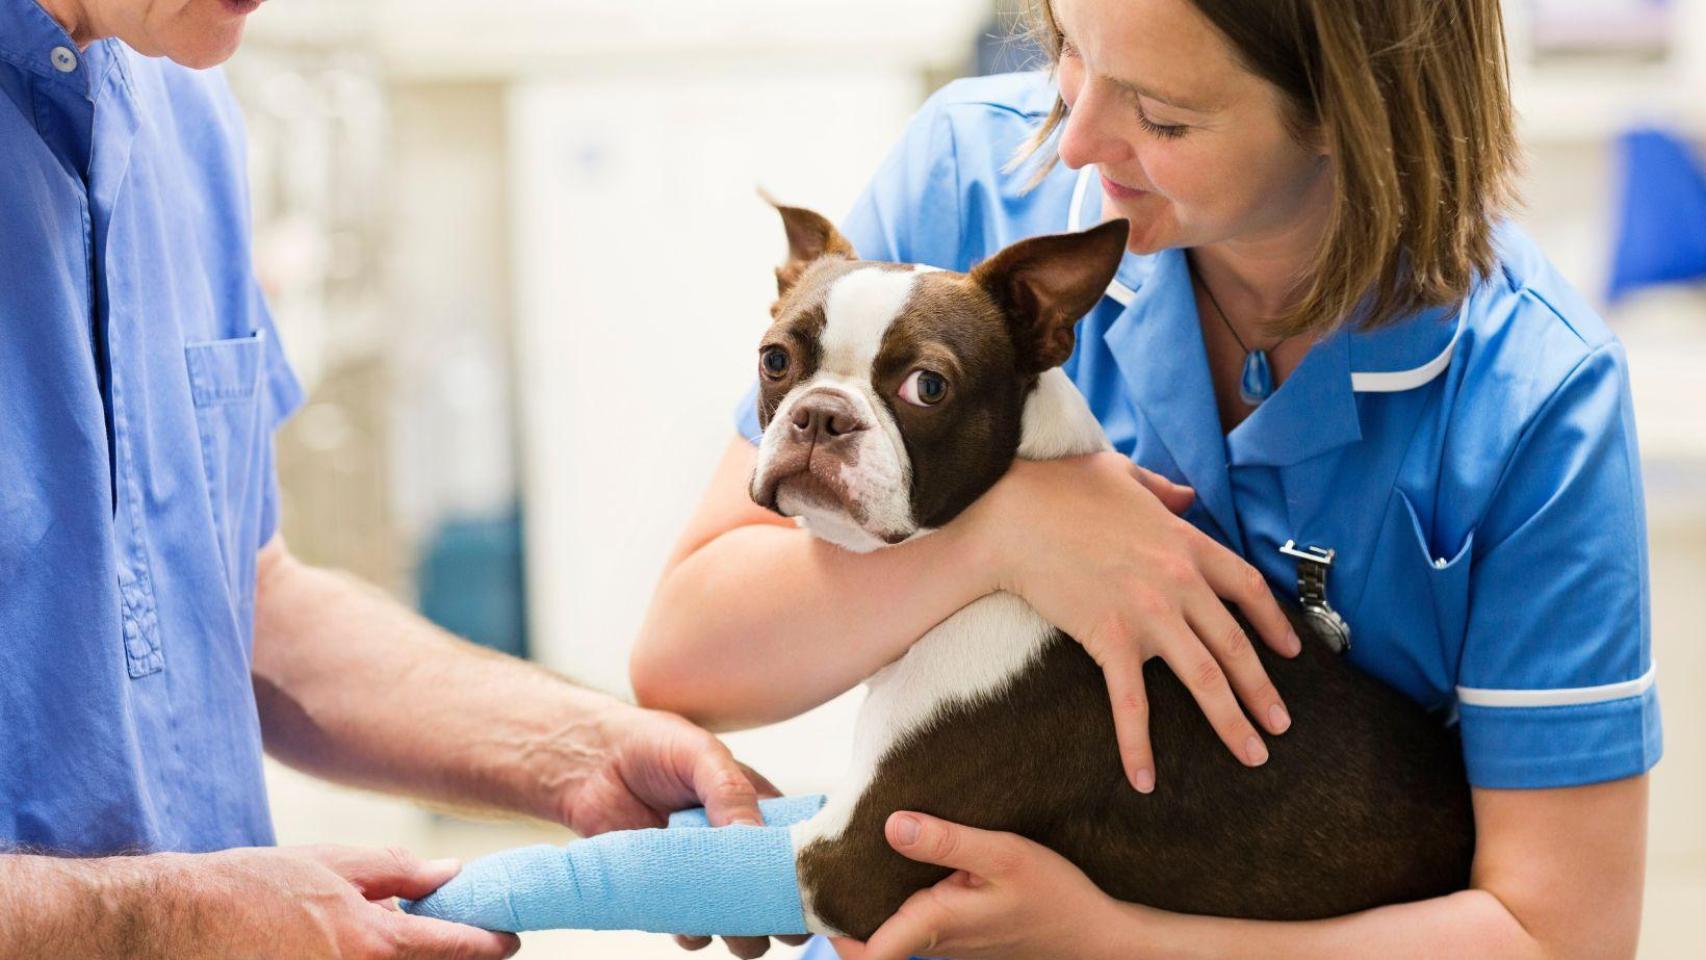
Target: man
(154,629)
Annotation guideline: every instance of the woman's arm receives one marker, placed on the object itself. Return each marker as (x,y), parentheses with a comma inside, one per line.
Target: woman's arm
(1558,875)
(756,621)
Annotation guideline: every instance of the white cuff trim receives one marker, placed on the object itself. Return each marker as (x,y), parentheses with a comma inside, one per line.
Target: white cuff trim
(1560,697)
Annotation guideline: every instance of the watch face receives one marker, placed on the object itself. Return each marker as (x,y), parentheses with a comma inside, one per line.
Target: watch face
(1330,626)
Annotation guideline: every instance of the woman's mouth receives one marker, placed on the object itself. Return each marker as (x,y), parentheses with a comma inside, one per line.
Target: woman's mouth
(1120,191)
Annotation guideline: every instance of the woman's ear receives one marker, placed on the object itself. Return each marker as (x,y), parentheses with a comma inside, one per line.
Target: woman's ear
(811,237)
(1046,283)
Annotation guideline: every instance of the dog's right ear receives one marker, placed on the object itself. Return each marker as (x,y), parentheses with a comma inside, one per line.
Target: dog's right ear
(1046,283)
(811,237)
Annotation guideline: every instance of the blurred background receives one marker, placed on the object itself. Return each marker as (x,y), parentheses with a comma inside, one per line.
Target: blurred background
(476,221)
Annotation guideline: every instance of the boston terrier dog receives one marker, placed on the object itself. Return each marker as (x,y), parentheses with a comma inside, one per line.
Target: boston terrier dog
(892,396)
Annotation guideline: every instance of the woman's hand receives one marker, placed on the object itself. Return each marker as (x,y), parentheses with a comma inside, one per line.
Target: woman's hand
(1008,898)
(1093,543)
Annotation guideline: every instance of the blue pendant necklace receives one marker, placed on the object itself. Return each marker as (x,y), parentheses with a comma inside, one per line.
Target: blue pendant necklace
(1257,382)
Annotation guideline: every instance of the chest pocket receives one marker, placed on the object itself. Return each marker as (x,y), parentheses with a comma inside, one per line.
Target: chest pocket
(225,378)
(1415,604)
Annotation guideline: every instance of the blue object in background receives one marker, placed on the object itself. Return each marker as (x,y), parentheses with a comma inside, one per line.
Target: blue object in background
(1661,236)
(472,581)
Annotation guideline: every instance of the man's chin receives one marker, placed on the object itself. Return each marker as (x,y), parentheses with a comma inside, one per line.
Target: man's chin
(205,49)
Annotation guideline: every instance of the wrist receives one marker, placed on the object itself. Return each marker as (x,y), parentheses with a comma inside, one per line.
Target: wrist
(123,907)
(579,743)
(980,535)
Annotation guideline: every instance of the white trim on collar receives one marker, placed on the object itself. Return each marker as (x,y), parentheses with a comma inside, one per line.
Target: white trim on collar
(1560,697)
(1075,222)
(1075,213)
(1394,381)
(1399,380)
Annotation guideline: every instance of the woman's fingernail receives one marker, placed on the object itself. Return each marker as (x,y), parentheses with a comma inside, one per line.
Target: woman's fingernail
(1145,780)
(1293,644)
(1278,720)
(1255,751)
(449,865)
(746,822)
(906,829)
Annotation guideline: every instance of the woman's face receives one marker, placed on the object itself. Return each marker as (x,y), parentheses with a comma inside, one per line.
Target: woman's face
(1191,146)
(195,33)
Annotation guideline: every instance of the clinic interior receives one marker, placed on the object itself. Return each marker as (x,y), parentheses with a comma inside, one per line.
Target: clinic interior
(476,221)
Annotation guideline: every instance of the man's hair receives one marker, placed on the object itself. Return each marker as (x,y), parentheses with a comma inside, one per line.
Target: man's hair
(1412,99)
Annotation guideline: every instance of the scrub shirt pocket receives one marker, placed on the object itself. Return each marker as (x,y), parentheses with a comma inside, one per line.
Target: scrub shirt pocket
(225,378)
(1418,595)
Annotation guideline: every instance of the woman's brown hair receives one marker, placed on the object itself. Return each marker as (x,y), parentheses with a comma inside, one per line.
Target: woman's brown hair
(1412,99)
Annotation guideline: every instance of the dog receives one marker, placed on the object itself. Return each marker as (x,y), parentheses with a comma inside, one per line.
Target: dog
(891,397)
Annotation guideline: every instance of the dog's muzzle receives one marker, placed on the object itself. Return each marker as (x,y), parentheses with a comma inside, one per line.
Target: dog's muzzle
(820,436)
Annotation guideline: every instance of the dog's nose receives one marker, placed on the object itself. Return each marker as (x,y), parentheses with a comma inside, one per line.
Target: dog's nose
(823,417)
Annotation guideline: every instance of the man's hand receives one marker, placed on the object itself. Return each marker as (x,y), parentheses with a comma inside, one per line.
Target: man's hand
(635,767)
(304,903)
(314,902)
(651,764)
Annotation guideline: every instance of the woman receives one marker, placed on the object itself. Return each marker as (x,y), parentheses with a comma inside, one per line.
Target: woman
(1324,330)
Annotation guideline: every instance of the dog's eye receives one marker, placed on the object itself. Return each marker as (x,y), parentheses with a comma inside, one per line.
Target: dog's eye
(924,388)
(774,362)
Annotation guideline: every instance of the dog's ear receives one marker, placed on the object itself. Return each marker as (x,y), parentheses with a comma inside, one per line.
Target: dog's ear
(1046,283)
(811,237)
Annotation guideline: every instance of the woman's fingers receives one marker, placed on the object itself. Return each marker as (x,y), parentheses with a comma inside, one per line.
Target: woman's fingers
(1123,670)
(1226,640)
(1204,677)
(1174,496)
(1231,577)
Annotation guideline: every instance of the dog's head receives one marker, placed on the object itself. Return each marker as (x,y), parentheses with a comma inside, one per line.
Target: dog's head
(892,396)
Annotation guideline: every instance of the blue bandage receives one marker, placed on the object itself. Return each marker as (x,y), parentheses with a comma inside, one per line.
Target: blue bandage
(777,811)
(737,881)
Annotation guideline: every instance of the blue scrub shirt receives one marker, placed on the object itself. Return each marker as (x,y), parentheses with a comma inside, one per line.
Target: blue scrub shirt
(1476,470)
(140,381)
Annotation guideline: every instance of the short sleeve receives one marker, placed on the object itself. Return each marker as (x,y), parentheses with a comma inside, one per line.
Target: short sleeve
(283,396)
(908,213)
(1556,680)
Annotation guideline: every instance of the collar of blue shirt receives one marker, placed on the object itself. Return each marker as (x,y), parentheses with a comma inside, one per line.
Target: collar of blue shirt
(33,41)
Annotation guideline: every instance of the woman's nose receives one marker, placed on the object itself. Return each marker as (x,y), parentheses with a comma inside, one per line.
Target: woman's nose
(1093,132)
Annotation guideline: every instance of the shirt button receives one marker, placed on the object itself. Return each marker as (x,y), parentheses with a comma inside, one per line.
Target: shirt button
(63,59)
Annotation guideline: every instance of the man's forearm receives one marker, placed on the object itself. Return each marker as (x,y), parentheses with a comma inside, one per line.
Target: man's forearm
(355,688)
(99,909)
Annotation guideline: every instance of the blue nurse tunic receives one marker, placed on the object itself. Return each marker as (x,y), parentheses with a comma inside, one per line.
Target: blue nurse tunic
(140,381)
(1475,469)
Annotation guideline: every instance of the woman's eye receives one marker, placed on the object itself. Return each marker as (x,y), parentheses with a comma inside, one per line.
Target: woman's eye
(1162,130)
(924,388)
(774,362)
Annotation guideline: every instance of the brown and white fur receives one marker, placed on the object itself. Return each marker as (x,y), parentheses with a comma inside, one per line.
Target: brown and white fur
(995,718)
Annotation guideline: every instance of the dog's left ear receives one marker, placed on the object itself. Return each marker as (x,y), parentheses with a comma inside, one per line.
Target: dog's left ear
(811,237)
(1046,283)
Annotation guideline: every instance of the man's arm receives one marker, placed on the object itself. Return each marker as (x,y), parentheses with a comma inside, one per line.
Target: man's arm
(307,903)
(76,908)
(353,687)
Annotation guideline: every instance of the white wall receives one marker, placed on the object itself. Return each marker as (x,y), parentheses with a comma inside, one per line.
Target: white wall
(643,260)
